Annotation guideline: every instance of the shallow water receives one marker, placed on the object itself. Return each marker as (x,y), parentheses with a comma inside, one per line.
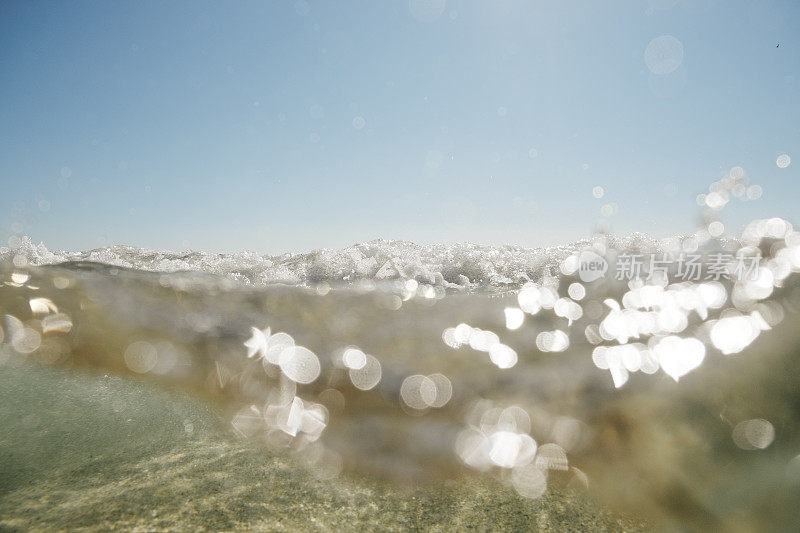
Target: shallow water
(82,450)
(668,400)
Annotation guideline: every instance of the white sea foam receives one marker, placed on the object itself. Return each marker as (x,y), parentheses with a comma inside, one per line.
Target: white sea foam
(451,266)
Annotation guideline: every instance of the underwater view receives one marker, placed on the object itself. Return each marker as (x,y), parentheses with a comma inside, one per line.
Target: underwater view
(456,375)
(575,310)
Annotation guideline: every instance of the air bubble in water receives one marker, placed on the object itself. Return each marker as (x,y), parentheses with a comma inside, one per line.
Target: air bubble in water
(576,291)
(755,434)
(368,376)
(503,356)
(514,317)
(418,391)
(141,356)
(529,481)
(354,358)
(444,390)
(299,364)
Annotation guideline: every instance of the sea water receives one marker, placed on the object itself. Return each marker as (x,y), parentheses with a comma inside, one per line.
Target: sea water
(659,375)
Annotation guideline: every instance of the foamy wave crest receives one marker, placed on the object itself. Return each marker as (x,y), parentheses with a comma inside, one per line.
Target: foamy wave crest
(451,266)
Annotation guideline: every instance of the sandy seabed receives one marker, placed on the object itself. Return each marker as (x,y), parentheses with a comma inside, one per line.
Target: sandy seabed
(91,452)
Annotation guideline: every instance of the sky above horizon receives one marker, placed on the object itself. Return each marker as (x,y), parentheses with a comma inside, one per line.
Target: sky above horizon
(286,126)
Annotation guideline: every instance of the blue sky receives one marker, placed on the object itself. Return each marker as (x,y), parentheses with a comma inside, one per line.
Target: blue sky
(277,126)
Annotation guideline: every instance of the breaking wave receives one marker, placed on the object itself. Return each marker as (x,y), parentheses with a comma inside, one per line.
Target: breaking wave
(471,267)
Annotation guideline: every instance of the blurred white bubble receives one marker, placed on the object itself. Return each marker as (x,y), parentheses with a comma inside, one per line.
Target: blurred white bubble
(754,192)
(552,341)
(529,481)
(503,356)
(368,376)
(733,334)
(275,345)
(678,356)
(463,333)
(716,228)
(755,434)
(18,278)
(716,200)
(58,322)
(576,291)
(354,358)
(42,306)
(566,308)
(283,394)
(783,161)
(418,391)
(570,265)
(514,418)
(248,421)
(608,210)
(551,456)
(444,390)
(26,340)
(333,400)
(592,334)
(473,447)
(514,317)
(449,338)
(598,192)
(141,356)
(322,288)
(359,122)
(505,447)
(299,364)
(530,299)
(663,55)
(483,340)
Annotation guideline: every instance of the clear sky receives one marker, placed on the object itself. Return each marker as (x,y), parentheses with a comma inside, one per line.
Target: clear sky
(275,126)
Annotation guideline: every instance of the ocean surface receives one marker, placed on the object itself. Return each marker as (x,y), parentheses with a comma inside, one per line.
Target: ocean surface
(656,376)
